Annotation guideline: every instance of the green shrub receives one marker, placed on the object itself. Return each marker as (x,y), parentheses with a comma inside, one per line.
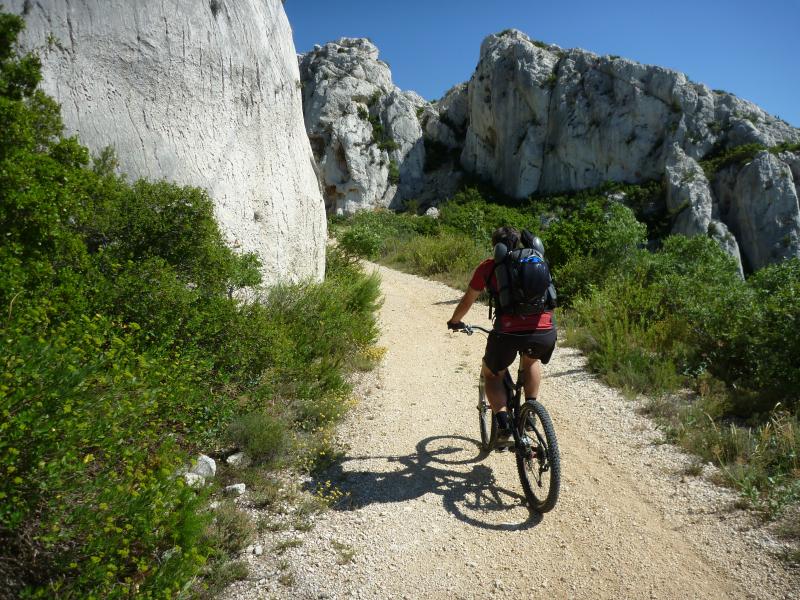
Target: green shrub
(91,450)
(394,172)
(361,241)
(435,255)
(469,213)
(262,436)
(124,354)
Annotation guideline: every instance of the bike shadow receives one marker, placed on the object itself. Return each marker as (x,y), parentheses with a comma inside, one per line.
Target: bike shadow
(448,466)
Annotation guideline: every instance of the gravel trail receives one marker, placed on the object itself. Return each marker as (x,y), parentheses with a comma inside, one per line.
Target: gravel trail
(429,516)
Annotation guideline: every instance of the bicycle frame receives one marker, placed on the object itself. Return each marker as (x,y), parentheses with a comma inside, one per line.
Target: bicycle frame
(535,443)
(513,390)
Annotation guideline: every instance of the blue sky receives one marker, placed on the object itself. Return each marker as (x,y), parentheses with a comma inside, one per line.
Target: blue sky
(751,49)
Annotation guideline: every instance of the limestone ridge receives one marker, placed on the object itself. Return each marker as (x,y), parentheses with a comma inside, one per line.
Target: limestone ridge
(535,118)
(199,93)
(542,119)
(364,131)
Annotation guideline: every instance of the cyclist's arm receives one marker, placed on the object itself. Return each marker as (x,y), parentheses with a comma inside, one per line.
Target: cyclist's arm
(466,303)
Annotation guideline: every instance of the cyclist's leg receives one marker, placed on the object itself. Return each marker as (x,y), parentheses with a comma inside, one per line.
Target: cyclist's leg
(540,346)
(532,370)
(495,390)
(499,354)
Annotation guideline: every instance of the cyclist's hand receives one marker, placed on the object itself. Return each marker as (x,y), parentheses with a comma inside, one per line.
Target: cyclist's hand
(455,326)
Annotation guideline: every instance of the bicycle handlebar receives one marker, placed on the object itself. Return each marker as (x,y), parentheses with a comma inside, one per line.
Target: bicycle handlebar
(470,329)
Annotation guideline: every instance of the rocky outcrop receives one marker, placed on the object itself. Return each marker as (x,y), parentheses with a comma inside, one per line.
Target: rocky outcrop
(537,119)
(198,93)
(690,201)
(364,131)
(543,119)
(764,211)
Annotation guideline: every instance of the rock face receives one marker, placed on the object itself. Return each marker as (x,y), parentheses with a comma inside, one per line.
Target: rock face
(364,131)
(542,119)
(764,213)
(537,119)
(199,93)
(689,199)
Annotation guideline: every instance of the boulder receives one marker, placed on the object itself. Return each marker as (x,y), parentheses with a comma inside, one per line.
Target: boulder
(764,212)
(237,489)
(200,93)
(239,459)
(364,131)
(688,195)
(205,467)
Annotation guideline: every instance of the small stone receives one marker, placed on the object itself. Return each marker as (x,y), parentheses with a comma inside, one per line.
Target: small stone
(238,460)
(432,212)
(258,550)
(237,489)
(194,480)
(205,467)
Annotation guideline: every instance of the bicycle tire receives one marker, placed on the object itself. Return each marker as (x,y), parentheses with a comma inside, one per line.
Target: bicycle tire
(543,465)
(486,422)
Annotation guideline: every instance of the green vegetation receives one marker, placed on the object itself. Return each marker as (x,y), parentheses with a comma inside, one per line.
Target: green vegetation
(123,354)
(380,136)
(394,172)
(655,322)
(739,155)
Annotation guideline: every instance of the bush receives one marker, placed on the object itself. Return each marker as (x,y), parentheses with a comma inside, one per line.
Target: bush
(263,437)
(469,213)
(124,354)
(91,446)
(362,241)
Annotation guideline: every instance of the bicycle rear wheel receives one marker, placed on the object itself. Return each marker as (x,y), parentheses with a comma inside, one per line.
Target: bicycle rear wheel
(486,422)
(538,460)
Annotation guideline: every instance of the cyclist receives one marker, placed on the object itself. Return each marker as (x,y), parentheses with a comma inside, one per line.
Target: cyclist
(533,333)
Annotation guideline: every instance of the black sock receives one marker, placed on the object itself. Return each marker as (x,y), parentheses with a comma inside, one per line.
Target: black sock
(530,399)
(503,421)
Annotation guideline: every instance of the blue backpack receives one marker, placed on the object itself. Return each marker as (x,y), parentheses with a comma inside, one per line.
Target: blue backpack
(524,284)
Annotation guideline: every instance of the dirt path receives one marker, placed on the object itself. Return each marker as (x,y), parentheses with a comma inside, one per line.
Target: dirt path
(428,513)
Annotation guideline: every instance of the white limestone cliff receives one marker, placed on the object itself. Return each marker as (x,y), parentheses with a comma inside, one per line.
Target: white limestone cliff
(543,119)
(765,212)
(690,200)
(537,119)
(202,93)
(364,131)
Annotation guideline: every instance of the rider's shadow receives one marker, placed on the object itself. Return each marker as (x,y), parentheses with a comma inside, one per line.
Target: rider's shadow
(468,489)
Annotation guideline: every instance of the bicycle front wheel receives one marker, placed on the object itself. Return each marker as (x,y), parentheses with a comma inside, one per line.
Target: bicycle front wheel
(486,422)
(538,459)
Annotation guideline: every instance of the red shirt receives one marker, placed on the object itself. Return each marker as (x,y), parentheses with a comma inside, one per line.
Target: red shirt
(536,322)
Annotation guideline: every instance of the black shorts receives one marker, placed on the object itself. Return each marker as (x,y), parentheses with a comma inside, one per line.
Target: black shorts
(502,348)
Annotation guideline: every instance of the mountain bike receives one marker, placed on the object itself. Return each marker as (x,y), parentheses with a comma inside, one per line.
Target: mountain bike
(534,438)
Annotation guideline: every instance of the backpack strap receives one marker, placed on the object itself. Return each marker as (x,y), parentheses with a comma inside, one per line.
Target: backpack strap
(488,288)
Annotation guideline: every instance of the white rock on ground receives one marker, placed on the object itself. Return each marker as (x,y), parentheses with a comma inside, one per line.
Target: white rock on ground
(239,459)
(198,93)
(205,467)
(237,489)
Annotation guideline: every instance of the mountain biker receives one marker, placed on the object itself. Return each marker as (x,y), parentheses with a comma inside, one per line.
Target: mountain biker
(533,333)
